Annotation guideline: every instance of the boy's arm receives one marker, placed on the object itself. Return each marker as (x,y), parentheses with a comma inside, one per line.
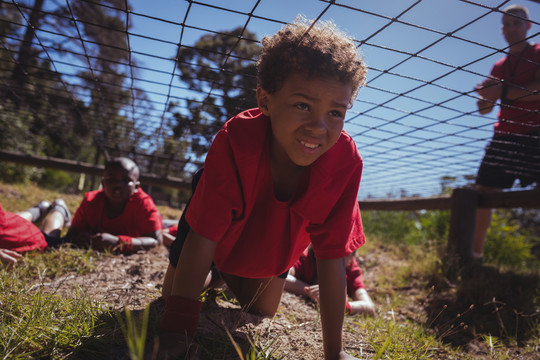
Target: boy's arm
(147,241)
(193,266)
(361,303)
(103,241)
(332,285)
(187,285)
(294,284)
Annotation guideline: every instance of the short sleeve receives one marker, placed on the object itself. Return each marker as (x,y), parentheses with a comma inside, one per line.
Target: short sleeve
(342,231)
(148,216)
(218,199)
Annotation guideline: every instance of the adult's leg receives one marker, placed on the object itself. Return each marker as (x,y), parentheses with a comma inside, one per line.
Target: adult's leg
(256,296)
(495,173)
(483,221)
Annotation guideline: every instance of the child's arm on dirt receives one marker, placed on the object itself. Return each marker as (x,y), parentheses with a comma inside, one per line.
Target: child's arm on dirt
(295,285)
(361,303)
(103,241)
(187,285)
(147,241)
(332,285)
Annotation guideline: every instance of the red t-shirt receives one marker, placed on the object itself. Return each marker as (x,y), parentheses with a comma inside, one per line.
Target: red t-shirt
(258,236)
(140,217)
(521,117)
(19,234)
(304,269)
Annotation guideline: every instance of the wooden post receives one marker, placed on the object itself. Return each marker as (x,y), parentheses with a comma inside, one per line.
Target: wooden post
(463,205)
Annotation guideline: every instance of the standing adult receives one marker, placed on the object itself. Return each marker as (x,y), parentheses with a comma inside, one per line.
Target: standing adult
(514,151)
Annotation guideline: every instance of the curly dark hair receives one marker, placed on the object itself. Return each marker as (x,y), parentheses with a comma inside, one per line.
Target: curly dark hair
(312,49)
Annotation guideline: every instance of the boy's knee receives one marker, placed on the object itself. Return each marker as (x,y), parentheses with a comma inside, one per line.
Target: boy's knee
(262,310)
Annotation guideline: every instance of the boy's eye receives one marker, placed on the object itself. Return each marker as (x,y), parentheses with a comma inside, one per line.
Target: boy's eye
(302,106)
(336,113)
(124,181)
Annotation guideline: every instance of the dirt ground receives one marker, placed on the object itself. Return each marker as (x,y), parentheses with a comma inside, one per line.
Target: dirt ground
(134,281)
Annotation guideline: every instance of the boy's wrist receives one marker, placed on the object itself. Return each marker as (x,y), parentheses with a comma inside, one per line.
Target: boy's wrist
(181,315)
(126,243)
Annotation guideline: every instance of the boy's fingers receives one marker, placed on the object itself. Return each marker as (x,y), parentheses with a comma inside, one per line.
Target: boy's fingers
(13,254)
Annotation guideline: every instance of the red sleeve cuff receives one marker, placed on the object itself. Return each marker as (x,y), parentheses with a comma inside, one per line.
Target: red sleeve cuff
(126,243)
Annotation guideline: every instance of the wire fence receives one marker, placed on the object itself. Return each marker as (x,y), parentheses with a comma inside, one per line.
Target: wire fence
(415,123)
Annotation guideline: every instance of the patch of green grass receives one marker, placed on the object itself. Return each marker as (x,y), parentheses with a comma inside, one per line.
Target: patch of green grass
(36,322)
(57,262)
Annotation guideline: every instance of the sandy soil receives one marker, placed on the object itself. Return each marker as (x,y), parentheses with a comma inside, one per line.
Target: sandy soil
(134,281)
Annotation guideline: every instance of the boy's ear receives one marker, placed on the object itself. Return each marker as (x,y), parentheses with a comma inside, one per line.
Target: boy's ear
(262,100)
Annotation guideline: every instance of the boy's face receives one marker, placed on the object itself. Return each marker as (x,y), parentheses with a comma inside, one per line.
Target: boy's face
(118,184)
(307,116)
(515,29)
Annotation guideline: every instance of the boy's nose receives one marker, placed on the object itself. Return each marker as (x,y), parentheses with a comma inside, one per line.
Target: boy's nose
(317,124)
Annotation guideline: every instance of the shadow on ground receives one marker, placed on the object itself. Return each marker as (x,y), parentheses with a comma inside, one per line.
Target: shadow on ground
(486,301)
(212,338)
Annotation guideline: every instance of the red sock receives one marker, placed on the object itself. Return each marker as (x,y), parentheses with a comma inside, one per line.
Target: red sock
(181,315)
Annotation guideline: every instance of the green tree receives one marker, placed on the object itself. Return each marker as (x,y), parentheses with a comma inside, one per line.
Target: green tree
(81,119)
(221,66)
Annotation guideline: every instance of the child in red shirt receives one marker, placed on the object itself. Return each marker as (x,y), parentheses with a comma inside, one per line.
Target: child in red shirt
(302,280)
(118,216)
(276,179)
(19,234)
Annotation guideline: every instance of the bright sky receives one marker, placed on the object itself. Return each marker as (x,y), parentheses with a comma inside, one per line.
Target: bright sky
(406,141)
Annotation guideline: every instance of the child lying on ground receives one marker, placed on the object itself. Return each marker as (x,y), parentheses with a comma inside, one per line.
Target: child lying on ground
(276,178)
(120,216)
(19,234)
(302,280)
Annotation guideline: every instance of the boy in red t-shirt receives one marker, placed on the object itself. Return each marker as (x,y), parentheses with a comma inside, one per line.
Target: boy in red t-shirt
(276,179)
(19,234)
(120,216)
(302,280)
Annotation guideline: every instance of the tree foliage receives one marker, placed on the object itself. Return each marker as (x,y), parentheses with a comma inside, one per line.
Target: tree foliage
(47,113)
(227,78)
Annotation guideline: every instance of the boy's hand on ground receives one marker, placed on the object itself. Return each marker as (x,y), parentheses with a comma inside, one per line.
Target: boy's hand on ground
(9,257)
(174,346)
(313,292)
(104,241)
(81,239)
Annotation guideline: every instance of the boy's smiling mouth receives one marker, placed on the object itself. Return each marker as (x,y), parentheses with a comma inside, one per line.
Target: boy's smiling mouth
(309,145)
